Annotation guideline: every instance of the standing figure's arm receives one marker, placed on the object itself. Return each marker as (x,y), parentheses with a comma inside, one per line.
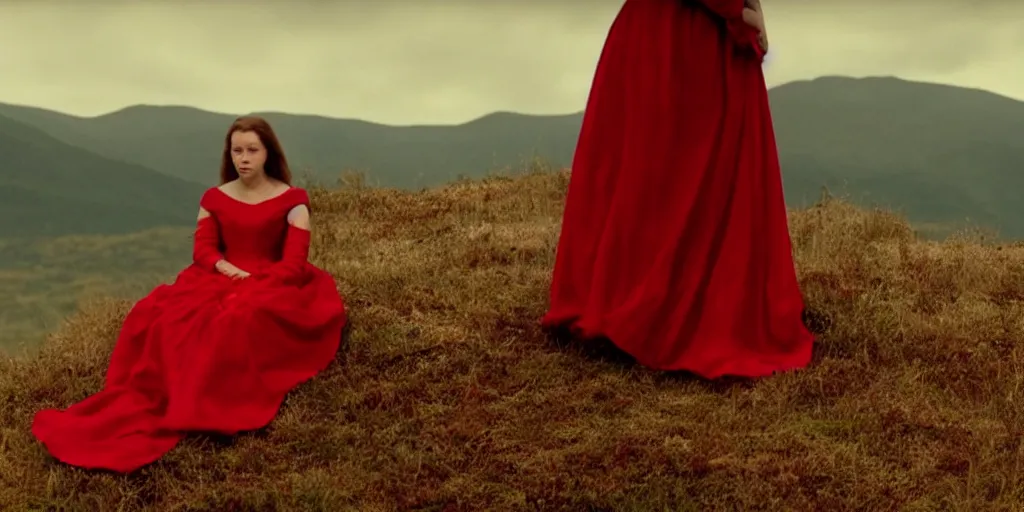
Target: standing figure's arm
(753,16)
(744,20)
(728,9)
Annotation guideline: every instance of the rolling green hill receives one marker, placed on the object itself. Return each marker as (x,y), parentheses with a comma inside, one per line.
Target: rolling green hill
(938,153)
(942,155)
(48,187)
(186,142)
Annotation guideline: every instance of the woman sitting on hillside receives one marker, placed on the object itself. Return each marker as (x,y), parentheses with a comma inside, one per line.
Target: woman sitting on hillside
(218,349)
(674,242)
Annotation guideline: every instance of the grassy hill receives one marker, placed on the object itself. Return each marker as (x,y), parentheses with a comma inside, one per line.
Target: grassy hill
(943,155)
(452,399)
(48,187)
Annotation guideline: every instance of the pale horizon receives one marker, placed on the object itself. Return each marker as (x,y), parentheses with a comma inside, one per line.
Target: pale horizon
(402,63)
(484,114)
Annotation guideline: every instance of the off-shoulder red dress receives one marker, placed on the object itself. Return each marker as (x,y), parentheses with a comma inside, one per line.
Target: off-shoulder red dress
(208,353)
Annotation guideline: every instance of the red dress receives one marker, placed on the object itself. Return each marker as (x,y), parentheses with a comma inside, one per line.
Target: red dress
(674,242)
(208,353)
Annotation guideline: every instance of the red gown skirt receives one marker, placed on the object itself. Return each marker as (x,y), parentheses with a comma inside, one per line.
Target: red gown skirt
(205,354)
(674,242)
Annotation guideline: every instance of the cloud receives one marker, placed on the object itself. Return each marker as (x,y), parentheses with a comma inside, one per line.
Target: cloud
(405,61)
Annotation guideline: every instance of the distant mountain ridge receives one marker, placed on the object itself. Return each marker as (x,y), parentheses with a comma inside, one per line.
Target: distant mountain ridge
(48,187)
(939,153)
(186,143)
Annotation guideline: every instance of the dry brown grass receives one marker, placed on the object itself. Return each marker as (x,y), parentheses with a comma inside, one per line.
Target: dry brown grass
(452,399)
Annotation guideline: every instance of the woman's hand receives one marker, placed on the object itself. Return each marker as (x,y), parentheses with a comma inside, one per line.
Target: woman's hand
(755,18)
(226,268)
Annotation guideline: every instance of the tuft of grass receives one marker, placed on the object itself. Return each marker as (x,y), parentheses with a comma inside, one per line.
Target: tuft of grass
(451,398)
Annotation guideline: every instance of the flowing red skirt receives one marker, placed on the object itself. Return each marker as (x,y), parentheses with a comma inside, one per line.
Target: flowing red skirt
(674,243)
(203,354)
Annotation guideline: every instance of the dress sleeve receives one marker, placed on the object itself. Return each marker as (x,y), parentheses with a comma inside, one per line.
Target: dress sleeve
(295,253)
(294,257)
(206,241)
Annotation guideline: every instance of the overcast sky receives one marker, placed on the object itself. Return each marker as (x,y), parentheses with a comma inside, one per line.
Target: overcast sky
(445,61)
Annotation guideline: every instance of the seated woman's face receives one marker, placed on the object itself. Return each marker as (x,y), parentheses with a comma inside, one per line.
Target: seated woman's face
(248,153)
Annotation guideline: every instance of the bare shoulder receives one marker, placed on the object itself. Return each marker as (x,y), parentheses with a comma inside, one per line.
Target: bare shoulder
(229,187)
(278,185)
(279,189)
(298,216)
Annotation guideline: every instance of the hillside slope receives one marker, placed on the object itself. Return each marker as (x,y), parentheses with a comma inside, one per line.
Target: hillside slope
(452,399)
(943,155)
(48,187)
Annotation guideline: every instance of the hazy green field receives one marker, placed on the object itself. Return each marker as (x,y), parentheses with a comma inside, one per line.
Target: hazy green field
(44,280)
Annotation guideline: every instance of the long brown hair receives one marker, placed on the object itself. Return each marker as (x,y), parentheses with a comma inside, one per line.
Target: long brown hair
(276,166)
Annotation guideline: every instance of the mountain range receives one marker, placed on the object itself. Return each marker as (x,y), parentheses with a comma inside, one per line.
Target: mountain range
(942,155)
(48,187)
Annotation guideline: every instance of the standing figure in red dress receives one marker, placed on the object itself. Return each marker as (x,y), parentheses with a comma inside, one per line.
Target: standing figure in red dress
(217,350)
(674,244)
